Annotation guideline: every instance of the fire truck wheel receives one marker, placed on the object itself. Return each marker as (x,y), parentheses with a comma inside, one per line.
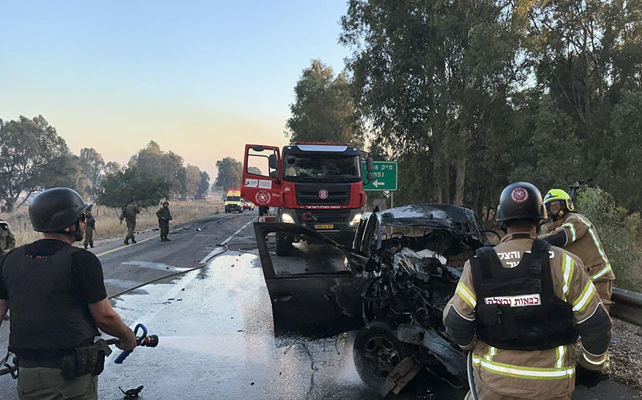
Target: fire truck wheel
(283,245)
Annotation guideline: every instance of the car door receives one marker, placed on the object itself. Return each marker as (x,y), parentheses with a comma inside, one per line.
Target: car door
(313,292)
(261,182)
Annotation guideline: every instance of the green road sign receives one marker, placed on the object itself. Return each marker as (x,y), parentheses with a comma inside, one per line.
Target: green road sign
(385,176)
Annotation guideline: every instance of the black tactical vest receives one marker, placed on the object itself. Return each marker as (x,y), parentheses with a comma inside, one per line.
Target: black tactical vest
(517,308)
(44,312)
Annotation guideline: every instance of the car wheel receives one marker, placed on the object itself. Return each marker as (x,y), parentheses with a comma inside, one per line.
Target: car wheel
(283,245)
(376,353)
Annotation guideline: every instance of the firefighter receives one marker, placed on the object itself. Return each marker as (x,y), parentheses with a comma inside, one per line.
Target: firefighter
(520,306)
(58,301)
(575,233)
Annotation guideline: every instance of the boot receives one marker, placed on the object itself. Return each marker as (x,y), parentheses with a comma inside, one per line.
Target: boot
(133,240)
(126,241)
(85,246)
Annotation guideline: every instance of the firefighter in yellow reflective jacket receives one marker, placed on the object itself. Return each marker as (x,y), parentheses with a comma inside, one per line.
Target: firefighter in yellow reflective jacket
(519,308)
(575,233)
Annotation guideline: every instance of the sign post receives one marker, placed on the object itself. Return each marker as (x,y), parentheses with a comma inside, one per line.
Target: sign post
(385,176)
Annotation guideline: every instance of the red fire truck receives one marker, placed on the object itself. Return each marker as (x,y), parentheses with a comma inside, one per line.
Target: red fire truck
(319,185)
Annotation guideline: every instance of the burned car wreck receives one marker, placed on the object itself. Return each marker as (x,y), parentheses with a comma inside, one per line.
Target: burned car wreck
(391,287)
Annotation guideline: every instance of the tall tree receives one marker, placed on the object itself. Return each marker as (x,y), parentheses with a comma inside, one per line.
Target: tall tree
(230,172)
(323,110)
(204,186)
(193,178)
(120,187)
(156,163)
(32,157)
(92,167)
(429,76)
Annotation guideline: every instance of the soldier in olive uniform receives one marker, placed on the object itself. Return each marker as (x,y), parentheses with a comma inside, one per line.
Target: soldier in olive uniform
(90,227)
(129,215)
(7,240)
(164,216)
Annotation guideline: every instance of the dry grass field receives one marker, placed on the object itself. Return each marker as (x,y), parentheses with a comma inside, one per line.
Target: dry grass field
(107,224)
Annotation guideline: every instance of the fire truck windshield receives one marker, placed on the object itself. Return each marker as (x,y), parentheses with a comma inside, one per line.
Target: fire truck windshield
(300,168)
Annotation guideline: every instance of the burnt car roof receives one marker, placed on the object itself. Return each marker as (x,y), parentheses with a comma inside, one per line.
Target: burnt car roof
(427,214)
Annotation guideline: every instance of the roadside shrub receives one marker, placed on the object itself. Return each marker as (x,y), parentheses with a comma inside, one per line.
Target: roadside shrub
(619,232)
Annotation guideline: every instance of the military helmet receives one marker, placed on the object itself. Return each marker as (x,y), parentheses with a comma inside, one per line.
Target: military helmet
(559,195)
(56,209)
(520,200)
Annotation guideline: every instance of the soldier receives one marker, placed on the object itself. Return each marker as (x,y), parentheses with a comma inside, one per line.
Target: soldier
(58,301)
(518,308)
(575,233)
(164,216)
(129,214)
(90,227)
(7,240)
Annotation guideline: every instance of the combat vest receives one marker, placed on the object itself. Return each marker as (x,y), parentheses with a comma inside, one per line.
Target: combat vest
(517,308)
(44,312)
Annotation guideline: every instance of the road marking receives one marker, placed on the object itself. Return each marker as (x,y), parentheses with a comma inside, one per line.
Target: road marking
(121,283)
(126,246)
(219,250)
(222,218)
(153,265)
(226,241)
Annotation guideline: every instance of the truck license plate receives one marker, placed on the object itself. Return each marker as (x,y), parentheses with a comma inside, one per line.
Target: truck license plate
(324,226)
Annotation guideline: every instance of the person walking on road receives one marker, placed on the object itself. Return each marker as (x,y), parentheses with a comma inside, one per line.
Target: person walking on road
(90,227)
(7,240)
(58,301)
(164,216)
(575,233)
(129,214)
(518,308)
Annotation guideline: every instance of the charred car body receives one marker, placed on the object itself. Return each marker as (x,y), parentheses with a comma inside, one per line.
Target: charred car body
(392,287)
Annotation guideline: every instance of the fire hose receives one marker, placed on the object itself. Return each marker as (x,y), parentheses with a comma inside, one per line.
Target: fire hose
(144,340)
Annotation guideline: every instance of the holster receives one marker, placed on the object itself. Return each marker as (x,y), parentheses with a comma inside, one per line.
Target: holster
(85,360)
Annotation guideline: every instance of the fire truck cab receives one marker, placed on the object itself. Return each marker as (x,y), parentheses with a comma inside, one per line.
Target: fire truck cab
(319,185)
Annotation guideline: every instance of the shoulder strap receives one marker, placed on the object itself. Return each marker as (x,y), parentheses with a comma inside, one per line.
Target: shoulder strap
(483,258)
(539,252)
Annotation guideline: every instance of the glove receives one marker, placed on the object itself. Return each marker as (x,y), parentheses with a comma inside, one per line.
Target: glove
(585,377)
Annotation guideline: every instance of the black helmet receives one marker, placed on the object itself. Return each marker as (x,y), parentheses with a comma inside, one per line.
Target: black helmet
(56,209)
(520,200)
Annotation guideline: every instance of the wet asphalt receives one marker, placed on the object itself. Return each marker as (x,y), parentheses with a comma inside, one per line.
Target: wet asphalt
(216,330)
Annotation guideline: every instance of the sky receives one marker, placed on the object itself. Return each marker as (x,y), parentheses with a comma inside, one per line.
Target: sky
(201,78)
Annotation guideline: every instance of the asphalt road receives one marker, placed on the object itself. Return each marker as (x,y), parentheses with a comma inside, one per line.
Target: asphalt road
(216,330)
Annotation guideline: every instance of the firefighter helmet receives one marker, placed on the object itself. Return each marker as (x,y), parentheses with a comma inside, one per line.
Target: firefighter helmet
(520,200)
(559,195)
(56,209)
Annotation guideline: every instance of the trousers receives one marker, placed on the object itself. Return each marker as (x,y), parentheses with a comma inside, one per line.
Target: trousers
(48,384)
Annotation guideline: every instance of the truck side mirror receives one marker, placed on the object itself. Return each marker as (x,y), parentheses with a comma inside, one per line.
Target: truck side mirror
(274,162)
(370,177)
(369,166)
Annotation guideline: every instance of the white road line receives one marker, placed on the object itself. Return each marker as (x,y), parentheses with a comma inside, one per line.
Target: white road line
(226,241)
(153,265)
(219,250)
(121,283)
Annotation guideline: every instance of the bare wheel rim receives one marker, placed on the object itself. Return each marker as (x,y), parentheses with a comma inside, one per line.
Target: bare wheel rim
(381,356)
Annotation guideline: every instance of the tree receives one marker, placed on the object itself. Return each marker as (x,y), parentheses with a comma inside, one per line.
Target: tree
(204,186)
(230,173)
(429,77)
(32,157)
(132,183)
(323,110)
(155,163)
(193,179)
(92,167)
